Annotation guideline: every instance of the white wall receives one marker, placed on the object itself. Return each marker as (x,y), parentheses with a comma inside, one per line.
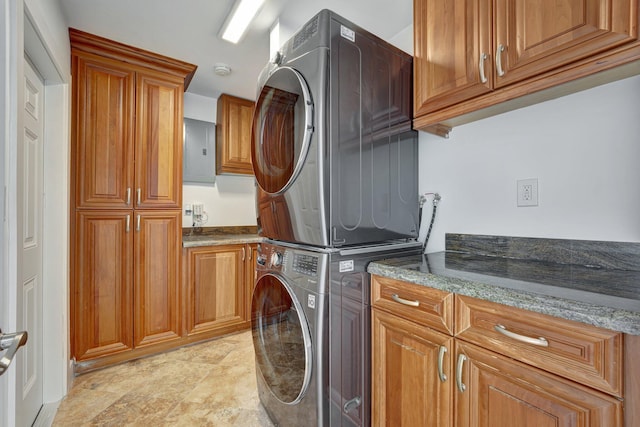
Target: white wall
(231,200)
(583,148)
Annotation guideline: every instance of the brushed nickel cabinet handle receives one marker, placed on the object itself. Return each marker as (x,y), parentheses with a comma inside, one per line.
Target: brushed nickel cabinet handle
(483,77)
(542,342)
(138,196)
(128,222)
(441,353)
(499,51)
(396,298)
(461,359)
(128,196)
(138,223)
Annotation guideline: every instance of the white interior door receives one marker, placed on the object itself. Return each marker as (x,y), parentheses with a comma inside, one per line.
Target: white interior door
(28,363)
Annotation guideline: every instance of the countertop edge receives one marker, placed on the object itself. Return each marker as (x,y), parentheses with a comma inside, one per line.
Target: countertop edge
(597,315)
(219,240)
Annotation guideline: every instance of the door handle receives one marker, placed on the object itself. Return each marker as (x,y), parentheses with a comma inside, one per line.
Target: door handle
(11,343)
(351,404)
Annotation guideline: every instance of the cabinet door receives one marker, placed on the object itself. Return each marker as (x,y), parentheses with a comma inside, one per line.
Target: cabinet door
(250,277)
(501,392)
(450,38)
(406,388)
(233,135)
(103,132)
(158,173)
(101,298)
(157,276)
(545,34)
(216,289)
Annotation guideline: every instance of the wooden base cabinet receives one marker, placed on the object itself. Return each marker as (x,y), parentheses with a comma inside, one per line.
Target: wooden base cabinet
(219,283)
(406,390)
(216,290)
(102,300)
(495,391)
(480,376)
(157,241)
(127,281)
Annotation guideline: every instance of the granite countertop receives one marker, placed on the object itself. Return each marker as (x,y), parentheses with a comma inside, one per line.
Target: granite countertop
(603,290)
(215,236)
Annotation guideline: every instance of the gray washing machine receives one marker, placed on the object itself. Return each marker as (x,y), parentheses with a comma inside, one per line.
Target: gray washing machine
(334,154)
(310,319)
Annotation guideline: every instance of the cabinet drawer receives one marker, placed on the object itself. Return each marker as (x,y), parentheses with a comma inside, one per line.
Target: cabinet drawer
(583,353)
(420,304)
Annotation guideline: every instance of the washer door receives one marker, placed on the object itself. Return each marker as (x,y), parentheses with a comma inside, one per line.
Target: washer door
(281,130)
(281,339)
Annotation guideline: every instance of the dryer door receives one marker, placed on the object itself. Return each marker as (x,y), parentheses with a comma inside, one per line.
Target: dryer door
(281,339)
(282,128)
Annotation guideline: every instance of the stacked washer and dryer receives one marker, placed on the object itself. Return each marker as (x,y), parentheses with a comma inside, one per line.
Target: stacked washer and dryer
(335,161)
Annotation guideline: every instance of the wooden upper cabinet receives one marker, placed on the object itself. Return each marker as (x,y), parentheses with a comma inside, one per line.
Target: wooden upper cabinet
(449,37)
(127,125)
(104,97)
(233,135)
(546,34)
(473,54)
(158,173)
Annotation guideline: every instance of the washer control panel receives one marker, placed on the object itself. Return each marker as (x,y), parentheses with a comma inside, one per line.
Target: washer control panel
(305,264)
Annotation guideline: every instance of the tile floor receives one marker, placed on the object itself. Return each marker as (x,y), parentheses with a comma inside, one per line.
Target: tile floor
(209,384)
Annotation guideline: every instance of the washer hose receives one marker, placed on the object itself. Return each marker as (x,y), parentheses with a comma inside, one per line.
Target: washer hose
(436,200)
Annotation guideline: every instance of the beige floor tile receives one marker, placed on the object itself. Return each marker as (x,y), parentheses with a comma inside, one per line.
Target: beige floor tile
(208,384)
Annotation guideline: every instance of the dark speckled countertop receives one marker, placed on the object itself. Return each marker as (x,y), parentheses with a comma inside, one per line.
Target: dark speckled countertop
(215,236)
(597,283)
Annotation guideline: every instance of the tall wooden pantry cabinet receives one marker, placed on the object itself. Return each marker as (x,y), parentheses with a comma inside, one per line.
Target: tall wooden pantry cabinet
(126,169)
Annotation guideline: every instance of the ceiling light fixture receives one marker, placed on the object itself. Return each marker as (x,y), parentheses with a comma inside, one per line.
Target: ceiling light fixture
(239,19)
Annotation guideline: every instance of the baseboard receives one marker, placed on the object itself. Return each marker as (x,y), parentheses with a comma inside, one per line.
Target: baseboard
(46,415)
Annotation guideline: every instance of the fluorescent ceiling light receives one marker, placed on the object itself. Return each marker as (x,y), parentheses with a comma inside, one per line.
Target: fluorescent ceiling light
(239,19)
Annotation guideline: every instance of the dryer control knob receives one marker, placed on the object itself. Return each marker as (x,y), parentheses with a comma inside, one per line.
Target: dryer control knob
(276,259)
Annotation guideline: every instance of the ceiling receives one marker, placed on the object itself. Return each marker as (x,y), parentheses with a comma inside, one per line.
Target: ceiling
(188,30)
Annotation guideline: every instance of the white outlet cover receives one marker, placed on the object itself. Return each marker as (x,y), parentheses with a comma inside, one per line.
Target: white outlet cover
(528,192)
